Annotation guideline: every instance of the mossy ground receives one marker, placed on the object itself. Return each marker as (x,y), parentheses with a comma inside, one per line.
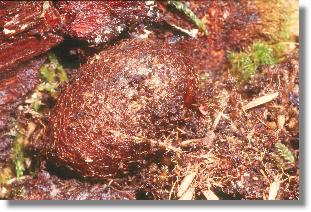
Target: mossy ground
(245,145)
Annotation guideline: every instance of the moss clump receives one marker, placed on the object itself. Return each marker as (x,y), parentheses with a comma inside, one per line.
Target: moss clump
(245,64)
(53,71)
(278,19)
(53,75)
(5,175)
(262,54)
(279,24)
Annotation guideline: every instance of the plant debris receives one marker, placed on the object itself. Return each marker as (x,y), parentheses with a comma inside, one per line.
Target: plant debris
(210,195)
(274,189)
(285,153)
(260,100)
(185,186)
(239,141)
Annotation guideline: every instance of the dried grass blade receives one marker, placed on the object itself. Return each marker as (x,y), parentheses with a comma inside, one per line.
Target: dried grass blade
(274,189)
(210,195)
(261,100)
(188,195)
(185,183)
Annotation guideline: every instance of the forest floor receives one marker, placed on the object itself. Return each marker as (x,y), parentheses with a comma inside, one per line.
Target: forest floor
(244,144)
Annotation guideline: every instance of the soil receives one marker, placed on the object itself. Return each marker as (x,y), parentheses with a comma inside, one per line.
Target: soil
(139,91)
(227,149)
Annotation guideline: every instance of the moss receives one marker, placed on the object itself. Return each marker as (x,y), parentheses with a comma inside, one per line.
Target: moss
(19,160)
(18,157)
(53,71)
(245,64)
(47,74)
(279,24)
(262,54)
(53,75)
(279,19)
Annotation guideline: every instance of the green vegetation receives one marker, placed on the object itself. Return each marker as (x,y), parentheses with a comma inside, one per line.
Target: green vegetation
(278,26)
(279,23)
(18,157)
(245,64)
(262,54)
(53,71)
(54,75)
(183,8)
(285,153)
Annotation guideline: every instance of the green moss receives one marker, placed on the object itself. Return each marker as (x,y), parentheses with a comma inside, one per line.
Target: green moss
(48,87)
(58,68)
(183,8)
(245,64)
(18,157)
(262,54)
(53,71)
(47,74)
(279,25)
(242,65)
(53,75)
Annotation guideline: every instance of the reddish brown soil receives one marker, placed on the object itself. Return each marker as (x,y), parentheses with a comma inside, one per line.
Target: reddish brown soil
(231,150)
(139,90)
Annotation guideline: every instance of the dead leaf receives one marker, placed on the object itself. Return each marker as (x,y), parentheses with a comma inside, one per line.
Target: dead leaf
(209,195)
(261,100)
(281,121)
(274,189)
(207,141)
(185,183)
(188,195)
(217,119)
